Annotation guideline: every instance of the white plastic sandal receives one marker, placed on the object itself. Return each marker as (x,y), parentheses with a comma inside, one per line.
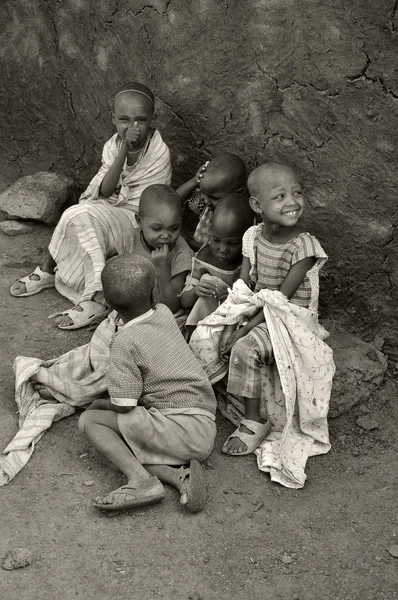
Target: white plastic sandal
(260,431)
(35,286)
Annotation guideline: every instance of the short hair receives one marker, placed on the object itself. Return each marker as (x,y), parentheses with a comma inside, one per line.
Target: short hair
(256,177)
(136,88)
(128,280)
(230,169)
(157,195)
(238,207)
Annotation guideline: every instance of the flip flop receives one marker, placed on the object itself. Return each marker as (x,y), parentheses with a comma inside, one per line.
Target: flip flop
(260,431)
(91,310)
(128,496)
(34,286)
(193,483)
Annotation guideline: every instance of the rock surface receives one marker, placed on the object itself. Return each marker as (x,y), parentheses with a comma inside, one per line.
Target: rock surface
(15,227)
(260,80)
(39,197)
(360,369)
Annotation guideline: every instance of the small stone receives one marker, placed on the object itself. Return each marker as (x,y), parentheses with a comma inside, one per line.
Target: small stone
(15,228)
(195,596)
(286,559)
(89,482)
(18,558)
(393,550)
(378,558)
(364,409)
(368,423)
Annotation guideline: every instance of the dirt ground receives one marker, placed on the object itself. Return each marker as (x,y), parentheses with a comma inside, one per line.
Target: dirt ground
(256,539)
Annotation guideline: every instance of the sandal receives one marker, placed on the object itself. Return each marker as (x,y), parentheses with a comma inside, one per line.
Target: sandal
(128,496)
(91,310)
(193,483)
(34,286)
(260,431)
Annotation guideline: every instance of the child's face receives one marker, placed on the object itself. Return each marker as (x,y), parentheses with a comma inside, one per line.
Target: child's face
(161,226)
(280,200)
(133,110)
(224,240)
(212,188)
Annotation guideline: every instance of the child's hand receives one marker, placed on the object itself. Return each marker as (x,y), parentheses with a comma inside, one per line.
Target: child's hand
(206,288)
(229,340)
(132,135)
(201,171)
(160,258)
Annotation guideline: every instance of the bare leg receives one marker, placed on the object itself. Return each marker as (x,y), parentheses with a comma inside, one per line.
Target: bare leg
(102,430)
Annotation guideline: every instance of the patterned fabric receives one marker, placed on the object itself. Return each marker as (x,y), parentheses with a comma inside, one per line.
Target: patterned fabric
(247,357)
(86,234)
(152,366)
(74,379)
(196,202)
(270,263)
(201,269)
(295,388)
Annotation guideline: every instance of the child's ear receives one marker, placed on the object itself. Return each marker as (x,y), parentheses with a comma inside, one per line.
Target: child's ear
(113,118)
(154,296)
(255,204)
(138,219)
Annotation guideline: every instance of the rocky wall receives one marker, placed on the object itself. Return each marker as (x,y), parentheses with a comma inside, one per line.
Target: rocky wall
(312,83)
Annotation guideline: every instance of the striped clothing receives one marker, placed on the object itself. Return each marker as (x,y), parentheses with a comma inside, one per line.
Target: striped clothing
(151,366)
(270,263)
(87,234)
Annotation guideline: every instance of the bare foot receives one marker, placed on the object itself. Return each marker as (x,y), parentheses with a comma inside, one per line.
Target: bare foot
(43,391)
(247,437)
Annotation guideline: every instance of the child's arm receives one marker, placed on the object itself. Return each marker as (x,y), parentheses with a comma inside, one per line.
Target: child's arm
(186,189)
(111,179)
(245,270)
(289,286)
(169,287)
(193,243)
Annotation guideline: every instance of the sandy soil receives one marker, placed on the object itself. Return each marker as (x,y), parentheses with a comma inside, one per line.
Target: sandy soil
(255,540)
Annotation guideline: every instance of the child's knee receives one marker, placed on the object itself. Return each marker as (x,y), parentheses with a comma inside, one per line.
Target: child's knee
(84,419)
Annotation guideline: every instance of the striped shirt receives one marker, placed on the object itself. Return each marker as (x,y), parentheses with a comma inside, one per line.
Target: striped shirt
(152,366)
(271,262)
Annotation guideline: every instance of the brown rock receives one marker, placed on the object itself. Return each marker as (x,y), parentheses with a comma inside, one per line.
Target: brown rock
(15,228)
(360,369)
(39,197)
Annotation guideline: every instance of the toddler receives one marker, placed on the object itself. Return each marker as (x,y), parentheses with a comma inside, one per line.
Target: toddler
(223,174)
(84,238)
(160,418)
(216,266)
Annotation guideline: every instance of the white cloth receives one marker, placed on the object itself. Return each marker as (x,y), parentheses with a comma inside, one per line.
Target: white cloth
(296,387)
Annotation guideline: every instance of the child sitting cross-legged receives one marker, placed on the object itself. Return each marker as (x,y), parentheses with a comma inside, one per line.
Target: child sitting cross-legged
(160,418)
(224,174)
(216,266)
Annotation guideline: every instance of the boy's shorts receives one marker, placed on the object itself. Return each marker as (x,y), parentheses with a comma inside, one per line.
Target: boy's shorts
(169,437)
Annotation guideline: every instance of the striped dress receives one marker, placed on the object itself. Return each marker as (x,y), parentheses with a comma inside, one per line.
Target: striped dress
(97,228)
(270,263)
